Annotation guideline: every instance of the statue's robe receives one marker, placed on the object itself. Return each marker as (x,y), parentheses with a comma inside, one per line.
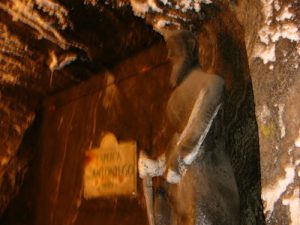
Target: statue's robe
(202,187)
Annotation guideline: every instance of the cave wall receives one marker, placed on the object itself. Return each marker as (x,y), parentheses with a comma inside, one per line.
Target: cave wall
(273,43)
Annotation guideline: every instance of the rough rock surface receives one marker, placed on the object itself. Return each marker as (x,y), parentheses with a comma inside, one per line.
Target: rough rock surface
(274,62)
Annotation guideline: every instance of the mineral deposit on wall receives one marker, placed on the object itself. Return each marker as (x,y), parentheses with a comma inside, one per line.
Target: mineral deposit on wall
(276,77)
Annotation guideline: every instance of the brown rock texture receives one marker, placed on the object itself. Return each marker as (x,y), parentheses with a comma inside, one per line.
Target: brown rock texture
(274,62)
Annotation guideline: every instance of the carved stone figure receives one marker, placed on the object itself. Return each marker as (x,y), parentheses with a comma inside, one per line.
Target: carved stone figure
(204,190)
(200,187)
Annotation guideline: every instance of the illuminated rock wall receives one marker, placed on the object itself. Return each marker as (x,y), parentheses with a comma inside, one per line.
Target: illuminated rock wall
(274,63)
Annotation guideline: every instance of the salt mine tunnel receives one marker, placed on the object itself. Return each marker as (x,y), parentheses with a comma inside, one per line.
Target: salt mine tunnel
(84,90)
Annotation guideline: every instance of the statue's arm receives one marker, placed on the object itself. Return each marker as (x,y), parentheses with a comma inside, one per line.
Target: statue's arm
(189,141)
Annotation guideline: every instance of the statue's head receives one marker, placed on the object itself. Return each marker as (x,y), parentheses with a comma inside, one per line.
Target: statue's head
(183,52)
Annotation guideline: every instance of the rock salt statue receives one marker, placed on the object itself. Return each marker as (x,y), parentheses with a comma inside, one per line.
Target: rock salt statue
(200,185)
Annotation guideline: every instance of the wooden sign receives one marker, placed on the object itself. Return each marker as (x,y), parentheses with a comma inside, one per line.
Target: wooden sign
(111,169)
